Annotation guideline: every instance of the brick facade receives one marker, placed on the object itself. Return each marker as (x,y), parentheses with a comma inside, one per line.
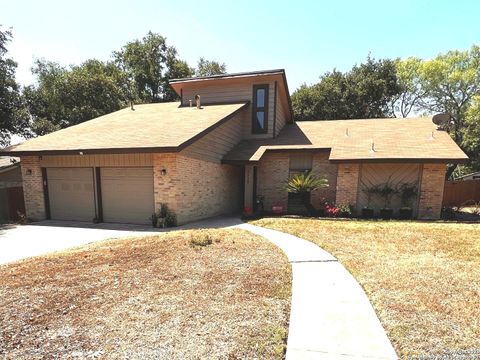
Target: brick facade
(33,188)
(431,191)
(323,167)
(196,189)
(272,174)
(274,171)
(347,184)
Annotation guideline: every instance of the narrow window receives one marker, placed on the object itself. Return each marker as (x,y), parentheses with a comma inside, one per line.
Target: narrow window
(260,109)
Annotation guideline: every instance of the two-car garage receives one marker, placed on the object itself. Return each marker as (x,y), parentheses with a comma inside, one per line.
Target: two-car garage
(109,194)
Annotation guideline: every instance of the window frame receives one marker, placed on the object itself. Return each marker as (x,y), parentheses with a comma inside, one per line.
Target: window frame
(255,128)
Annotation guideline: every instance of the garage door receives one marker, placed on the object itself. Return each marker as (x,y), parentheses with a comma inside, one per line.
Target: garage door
(71,193)
(127,195)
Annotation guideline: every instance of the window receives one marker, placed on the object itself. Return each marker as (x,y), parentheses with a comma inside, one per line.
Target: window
(260,109)
(300,162)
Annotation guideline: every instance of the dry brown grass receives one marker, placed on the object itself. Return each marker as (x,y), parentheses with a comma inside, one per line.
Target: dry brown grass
(423,279)
(149,298)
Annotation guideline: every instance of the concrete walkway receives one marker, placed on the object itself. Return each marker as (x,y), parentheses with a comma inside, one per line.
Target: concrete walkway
(331,317)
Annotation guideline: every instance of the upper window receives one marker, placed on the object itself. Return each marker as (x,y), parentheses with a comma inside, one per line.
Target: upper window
(260,109)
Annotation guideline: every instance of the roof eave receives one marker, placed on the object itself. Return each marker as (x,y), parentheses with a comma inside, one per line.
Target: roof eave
(402,160)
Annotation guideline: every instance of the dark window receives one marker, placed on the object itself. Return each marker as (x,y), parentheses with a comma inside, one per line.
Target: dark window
(260,109)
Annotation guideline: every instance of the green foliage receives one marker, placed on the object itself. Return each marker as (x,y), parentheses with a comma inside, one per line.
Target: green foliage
(200,238)
(407,192)
(69,96)
(209,67)
(411,91)
(13,118)
(471,134)
(366,91)
(166,215)
(386,191)
(150,63)
(305,182)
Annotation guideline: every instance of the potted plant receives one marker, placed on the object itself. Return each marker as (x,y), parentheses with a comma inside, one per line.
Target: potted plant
(303,184)
(368,212)
(408,191)
(386,191)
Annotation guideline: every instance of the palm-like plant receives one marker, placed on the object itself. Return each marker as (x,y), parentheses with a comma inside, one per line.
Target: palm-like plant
(304,183)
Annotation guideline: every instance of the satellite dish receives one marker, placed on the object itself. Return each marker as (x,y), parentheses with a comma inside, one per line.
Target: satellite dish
(441,120)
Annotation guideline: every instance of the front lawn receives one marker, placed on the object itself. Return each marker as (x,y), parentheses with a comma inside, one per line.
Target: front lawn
(181,295)
(423,279)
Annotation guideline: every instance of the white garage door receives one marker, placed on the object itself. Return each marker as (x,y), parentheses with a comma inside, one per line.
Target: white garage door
(71,193)
(127,195)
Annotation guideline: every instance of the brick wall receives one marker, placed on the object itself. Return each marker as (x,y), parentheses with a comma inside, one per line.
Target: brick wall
(33,188)
(431,191)
(347,184)
(321,166)
(272,174)
(196,189)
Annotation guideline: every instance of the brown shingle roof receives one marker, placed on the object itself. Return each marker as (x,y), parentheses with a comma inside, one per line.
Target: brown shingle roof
(351,140)
(159,127)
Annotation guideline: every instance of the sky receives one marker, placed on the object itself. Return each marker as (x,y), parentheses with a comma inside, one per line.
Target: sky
(306,38)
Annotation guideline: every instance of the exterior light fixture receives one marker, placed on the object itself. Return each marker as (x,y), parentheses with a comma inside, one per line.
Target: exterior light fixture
(29,172)
(163,172)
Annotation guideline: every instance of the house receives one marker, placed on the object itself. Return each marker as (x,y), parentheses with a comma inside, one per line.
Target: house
(11,192)
(240,143)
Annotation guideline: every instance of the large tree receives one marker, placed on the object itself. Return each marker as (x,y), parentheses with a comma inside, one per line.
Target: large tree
(447,84)
(69,96)
(411,90)
(209,67)
(150,63)
(366,91)
(13,119)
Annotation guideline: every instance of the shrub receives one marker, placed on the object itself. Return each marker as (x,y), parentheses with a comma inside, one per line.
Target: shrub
(332,210)
(200,238)
(22,218)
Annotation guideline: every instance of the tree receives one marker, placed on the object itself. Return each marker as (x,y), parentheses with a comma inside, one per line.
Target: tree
(150,63)
(411,91)
(13,118)
(69,96)
(209,67)
(471,134)
(450,81)
(366,91)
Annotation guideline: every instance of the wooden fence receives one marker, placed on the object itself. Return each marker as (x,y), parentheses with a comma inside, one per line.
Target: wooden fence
(457,193)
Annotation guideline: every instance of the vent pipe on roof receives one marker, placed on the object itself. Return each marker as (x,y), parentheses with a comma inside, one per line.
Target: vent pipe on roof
(346,132)
(190,102)
(373,147)
(197,101)
(131,105)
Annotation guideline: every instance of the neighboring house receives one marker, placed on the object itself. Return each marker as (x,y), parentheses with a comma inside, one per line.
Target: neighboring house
(242,143)
(11,193)
(472,176)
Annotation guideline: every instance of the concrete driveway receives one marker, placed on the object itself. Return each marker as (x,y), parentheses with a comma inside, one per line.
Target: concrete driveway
(23,241)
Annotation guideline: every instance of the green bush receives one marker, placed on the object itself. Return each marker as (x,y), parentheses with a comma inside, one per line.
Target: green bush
(201,238)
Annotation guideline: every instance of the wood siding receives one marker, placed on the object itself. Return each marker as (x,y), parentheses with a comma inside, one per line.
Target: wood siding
(235,92)
(213,146)
(281,115)
(107,160)
(396,174)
